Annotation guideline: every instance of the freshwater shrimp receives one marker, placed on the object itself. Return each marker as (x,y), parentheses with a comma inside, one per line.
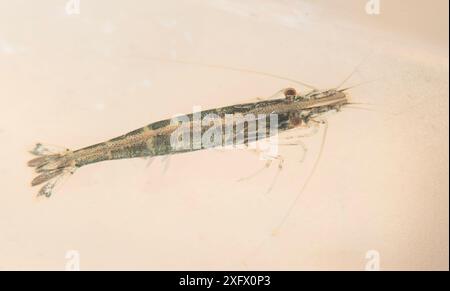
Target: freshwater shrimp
(292,109)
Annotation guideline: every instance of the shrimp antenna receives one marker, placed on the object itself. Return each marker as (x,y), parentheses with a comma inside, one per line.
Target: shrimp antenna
(233,69)
(355,70)
(359,84)
(308,179)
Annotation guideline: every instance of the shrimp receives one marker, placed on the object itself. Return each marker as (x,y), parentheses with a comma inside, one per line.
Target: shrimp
(292,111)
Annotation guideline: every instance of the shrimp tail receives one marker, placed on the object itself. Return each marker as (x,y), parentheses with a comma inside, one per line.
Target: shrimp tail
(50,167)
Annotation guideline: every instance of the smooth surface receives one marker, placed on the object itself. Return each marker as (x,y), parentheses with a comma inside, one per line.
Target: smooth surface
(75,80)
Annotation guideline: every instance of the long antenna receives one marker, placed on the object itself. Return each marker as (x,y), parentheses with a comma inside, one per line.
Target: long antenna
(354,70)
(311,174)
(359,84)
(231,69)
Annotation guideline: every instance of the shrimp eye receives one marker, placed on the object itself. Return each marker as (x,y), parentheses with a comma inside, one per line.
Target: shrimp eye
(290,93)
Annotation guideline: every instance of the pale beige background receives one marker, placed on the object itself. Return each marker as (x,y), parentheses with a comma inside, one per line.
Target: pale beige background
(74,80)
